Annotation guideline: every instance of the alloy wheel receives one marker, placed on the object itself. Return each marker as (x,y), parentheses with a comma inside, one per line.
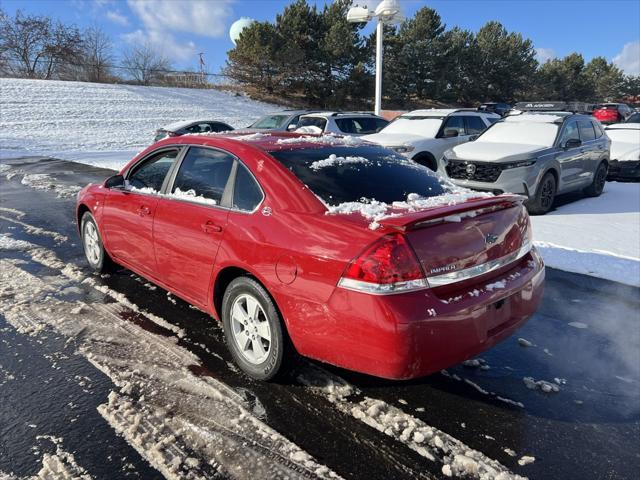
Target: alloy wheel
(547,194)
(91,243)
(250,329)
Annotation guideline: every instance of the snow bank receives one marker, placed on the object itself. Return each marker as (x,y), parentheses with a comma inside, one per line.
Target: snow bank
(101,124)
(595,236)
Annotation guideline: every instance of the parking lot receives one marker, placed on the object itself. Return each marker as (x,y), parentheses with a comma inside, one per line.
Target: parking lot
(88,353)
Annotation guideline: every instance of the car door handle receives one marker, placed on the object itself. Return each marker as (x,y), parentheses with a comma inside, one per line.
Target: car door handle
(143,211)
(210,227)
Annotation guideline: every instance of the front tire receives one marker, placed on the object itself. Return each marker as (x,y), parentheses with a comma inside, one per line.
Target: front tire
(253,329)
(599,179)
(545,194)
(97,257)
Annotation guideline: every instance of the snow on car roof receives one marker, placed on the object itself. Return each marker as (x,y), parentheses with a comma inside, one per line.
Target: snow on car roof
(538,118)
(339,114)
(172,127)
(428,112)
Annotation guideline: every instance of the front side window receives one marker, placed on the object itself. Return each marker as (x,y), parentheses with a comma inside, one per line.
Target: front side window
(455,122)
(150,174)
(475,125)
(319,122)
(570,132)
(203,175)
(246,192)
(586,131)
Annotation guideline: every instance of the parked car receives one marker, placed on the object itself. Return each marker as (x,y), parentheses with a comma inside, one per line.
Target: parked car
(191,126)
(424,135)
(241,228)
(625,151)
(634,118)
(284,121)
(342,123)
(494,107)
(537,153)
(612,112)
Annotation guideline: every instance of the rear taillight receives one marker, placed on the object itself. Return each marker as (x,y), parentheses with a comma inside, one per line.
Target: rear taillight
(387,266)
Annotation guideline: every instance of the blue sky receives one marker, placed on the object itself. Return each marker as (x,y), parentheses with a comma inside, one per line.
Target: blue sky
(182,28)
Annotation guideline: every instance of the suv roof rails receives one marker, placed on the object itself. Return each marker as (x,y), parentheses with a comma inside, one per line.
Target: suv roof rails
(572,107)
(336,114)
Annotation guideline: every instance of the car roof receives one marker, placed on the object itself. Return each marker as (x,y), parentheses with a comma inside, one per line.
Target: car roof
(185,123)
(443,112)
(289,112)
(341,114)
(547,117)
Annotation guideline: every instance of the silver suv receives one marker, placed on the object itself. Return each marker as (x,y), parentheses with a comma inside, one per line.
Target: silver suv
(535,153)
(341,123)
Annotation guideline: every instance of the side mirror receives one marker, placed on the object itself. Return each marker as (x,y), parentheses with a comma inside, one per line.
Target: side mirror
(450,132)
(292,127)
(573,143)
(117,181)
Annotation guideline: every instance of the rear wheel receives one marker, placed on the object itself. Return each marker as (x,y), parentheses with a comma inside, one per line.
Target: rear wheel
(253,329)
(545,194)
(98,258)
(599,179)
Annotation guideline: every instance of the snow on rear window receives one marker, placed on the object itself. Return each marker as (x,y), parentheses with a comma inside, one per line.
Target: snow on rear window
(334,160)
(382,185)
(524,132)
(323,140)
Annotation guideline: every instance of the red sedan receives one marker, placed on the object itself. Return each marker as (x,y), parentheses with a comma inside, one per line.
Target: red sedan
(280,238)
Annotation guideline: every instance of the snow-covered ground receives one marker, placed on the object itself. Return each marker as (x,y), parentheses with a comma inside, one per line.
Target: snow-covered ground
(104,124)
(595,236)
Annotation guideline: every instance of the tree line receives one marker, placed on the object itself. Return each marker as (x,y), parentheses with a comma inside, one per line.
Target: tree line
(36,46)
(315,56)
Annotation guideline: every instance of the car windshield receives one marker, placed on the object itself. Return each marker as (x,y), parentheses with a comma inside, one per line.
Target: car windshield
(353,174)
(269,121)
(423,126)
(527,133)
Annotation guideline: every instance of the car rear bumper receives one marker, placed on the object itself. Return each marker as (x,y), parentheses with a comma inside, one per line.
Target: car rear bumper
(414,334)
(624,170)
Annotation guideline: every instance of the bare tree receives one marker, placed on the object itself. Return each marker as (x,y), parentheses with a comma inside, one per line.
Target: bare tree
(35,47)
(98,54)
(145,64)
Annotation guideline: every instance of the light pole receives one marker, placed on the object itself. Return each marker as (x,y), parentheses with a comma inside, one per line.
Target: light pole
(387,11)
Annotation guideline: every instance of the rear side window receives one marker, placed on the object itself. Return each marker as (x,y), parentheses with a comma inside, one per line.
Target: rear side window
(219,127)
(246,192)
(598,129)
(351,174)
(475,125)
(360,125)
(586,131)
(152,172)
(203,173)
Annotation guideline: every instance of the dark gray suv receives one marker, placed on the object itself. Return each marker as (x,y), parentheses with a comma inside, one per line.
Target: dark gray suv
(537,154)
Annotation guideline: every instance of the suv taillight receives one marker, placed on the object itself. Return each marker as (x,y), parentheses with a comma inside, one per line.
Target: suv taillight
(389,265)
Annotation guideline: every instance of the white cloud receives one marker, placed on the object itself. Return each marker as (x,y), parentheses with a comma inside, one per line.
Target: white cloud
(543,55)
(628,60)
(116,17)
(164,43)
(200,17)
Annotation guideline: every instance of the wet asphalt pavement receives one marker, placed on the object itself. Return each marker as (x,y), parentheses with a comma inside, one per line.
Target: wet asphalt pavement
(586,335)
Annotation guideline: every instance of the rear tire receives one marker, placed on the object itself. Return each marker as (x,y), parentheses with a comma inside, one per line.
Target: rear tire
(253,329)
(97,257)
(599,179)
(545,194)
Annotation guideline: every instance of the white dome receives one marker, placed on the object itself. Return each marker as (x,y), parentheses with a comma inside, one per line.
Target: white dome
(238,26)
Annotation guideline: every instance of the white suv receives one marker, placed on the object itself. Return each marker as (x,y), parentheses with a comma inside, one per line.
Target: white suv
(424,135)
(341,123)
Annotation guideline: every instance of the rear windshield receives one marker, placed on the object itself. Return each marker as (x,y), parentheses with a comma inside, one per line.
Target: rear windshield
(352,174)
(270,121)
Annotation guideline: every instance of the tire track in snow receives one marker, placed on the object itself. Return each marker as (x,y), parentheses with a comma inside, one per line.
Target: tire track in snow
(457,459)
(161,406)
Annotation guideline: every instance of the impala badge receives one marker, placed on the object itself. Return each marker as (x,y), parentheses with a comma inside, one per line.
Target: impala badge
(490,239)
(266,211)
